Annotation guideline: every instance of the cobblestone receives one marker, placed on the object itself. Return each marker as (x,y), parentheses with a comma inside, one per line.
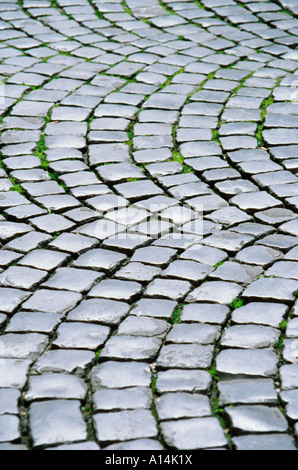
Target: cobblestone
(148,227)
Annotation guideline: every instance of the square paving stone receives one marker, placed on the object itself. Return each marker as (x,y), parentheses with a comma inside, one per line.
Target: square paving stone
(52,223)
(284,269)
(234,187)
(22,277)
(289,376)
(31,108)
(292,254)
(245,391)
(51,301)
(140,272)
(250,336)
(69,113)
(28,242)
(278,241)
(78,178)
(124,425)
(201,163)
(55,386)
(291,331)
(229,216)
(258,255)
(107,203)
(25,211)
(12,298)
(157,308)
(101,229)
(103,311)
(73,243)
(120,375)
(64,422)
(138,348)
(228,240)
(126,399)
(255,201)
(204,254)
(257,418)
(195,433)
(23,346)
(240,363)
(118,172)
(253,229)
(81,214)
(156,204)
(72,279)
(184,191)
(13,373)
(185,356)
(58,203)
(154,255)
(204,313)
(290,227)
(187,270)
(72,361)
(10,230)
(278,289)
(76,335)
(108,153)
(182,405)
(216,292)
(260,313)
(167,288)
(9,401)
(116,289)
(193,333)
(174,380)
(264,442)
(43,188)
(39,322)
(137,190)
(44,259)
(236,272)
(290,350)
(143,326)
(9,428)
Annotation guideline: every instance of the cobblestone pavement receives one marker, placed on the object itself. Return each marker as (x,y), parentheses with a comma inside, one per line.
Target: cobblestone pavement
(148,227)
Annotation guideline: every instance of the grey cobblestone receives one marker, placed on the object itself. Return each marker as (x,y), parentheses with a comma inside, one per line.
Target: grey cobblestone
(148,227)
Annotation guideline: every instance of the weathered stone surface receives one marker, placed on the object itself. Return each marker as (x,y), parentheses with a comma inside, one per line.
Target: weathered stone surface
(125,425)
(185,356)
(245,391)
(72,361)
(182,405)
(127,399)
(50,301)
(278,289)
(55,386)
(148,232)
(215,292)
(257,418)
(113,374)
(9,428)
(105,311)
(249,362)
(263,442)
(64,422)
(131,347)
(195,433)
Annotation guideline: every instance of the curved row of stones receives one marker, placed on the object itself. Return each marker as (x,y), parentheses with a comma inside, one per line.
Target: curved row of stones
(149,227)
